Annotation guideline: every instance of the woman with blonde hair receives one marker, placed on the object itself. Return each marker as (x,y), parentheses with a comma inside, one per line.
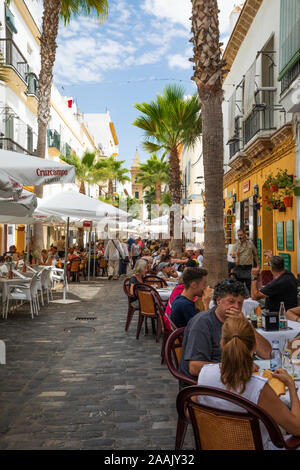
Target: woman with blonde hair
(139,272)
(235,374)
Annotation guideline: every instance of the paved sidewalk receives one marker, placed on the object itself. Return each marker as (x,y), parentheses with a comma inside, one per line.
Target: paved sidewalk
(84,384)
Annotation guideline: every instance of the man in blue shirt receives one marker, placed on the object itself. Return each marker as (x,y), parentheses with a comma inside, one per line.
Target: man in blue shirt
(183,306)
(130,242)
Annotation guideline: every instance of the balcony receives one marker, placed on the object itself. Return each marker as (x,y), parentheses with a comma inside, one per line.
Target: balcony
(262,116)
(19,76)
(9,144)
(14,58)
(54,143)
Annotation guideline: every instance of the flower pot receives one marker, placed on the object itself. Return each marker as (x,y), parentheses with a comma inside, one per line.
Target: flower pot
(274,187)
(281,209)
(288,201)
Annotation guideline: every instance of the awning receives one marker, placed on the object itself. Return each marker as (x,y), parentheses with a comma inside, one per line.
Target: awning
(22,207)
(34,171)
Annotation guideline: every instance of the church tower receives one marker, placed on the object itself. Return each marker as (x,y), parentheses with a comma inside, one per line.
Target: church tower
(136,189)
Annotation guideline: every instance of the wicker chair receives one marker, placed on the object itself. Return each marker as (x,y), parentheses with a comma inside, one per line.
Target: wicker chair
(217,429)
(75,269)
(155,281)
(264,278)
(131,308)
(173,351)
(150,307)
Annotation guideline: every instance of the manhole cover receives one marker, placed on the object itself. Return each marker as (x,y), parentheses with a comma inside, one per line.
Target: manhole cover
(78,330)
(86,318)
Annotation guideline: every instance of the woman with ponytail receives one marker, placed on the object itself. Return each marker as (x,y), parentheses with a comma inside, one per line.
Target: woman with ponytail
(235,374)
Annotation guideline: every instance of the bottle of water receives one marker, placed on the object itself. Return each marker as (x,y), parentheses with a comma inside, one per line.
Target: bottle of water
(275,359)
(282,318)
(253,317)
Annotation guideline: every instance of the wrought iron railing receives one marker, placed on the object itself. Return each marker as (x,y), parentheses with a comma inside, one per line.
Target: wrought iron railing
(9,144)
(262,116)
(290,76)
(32,82)
(14,57)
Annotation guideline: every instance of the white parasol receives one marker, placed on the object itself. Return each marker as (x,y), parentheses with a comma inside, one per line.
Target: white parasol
(34,171)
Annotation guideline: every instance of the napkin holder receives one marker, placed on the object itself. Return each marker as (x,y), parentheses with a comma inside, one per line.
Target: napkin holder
(270,321)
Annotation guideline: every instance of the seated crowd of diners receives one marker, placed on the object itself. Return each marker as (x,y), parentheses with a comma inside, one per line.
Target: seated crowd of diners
(219,343)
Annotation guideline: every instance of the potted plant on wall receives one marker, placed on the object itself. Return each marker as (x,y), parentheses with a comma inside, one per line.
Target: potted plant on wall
(274,203)
(271,183)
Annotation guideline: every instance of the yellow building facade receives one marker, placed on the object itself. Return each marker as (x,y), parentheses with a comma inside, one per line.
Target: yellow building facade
(245,203)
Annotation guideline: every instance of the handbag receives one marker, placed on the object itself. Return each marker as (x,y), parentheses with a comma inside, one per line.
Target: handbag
(124,260)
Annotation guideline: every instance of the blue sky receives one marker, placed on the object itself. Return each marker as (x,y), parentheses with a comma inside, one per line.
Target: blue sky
(141,46)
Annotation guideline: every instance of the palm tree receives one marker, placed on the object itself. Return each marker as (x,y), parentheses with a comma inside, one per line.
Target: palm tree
(149,199)
(54,10)
(169,123)
(154,173)
(114,172)
(209,69)
(87,170)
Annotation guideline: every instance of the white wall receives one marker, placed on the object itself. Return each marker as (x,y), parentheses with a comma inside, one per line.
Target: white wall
(265,24)
(98,125)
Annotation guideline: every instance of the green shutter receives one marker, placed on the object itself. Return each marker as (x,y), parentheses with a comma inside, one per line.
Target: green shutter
(10,20)
(289,35)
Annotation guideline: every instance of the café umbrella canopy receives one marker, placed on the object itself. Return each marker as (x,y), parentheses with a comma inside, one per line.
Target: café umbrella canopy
(24,206)
(34,171)
(78,207)
(9,187)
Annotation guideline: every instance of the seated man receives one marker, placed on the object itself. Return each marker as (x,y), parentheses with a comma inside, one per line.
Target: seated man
(201,342)
(183,306)
(166,271)
(283,288)
(13,253)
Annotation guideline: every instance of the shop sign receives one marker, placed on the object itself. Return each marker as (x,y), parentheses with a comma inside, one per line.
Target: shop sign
(86,223)
(246,186)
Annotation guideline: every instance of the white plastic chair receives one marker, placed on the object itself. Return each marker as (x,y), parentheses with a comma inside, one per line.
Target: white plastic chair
(46,284)
(57,275)
(23,292)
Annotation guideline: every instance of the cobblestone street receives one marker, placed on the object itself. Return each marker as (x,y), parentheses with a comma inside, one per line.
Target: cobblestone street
(84,384)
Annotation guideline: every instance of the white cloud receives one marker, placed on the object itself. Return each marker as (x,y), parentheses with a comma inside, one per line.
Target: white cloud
(180,61)
(179,11)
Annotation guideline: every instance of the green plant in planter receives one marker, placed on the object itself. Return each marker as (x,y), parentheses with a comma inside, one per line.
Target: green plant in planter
(284,180)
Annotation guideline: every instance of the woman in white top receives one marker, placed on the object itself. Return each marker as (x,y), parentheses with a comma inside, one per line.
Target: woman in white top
(235,374)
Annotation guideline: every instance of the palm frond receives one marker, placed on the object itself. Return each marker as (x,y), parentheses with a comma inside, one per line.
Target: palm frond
(74,8)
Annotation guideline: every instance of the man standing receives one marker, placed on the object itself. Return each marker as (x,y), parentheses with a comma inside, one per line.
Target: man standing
(135,251)
(61,246)
(245,255)
(113,253)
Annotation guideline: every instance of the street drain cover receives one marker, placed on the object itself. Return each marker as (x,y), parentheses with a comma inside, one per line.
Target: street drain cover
(78,330)
(86,318)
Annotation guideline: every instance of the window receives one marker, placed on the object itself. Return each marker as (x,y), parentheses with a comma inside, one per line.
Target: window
(136,195)
(289,36)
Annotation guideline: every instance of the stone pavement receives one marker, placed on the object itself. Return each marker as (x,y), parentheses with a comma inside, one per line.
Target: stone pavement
(71,383)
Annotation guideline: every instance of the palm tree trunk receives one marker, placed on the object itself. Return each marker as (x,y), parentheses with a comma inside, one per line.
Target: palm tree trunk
(175,191)
(48,53)
(213,150)
(111,188)
(209,69)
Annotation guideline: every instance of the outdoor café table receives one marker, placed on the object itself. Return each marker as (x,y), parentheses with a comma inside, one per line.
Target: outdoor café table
(281,335)
(165,293)
(4,282)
